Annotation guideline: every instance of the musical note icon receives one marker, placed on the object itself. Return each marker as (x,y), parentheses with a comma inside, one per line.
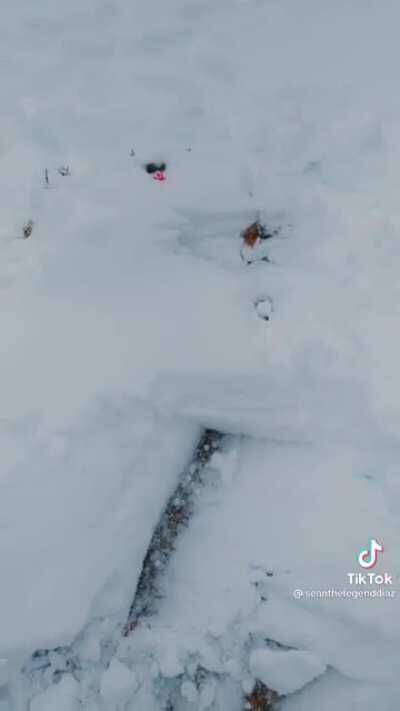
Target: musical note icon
(368,557)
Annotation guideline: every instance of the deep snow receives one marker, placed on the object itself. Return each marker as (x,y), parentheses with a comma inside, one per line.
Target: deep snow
(128,323)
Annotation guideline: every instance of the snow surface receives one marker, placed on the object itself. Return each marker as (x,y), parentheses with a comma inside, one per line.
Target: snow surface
(128,323)
(118,684)
(62,696)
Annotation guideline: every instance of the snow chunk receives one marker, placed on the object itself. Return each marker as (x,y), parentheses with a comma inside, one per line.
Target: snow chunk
(285,672)
(253,404)
(170,664)
(207,694)
(62,696)
(118,684)
(189,691)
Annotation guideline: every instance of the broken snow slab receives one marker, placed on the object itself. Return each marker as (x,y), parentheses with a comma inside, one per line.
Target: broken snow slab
(78,510)
(285,671)
(275,404)
(240,404)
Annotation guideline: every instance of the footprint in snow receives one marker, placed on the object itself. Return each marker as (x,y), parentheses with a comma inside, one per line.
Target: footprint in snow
(264,307)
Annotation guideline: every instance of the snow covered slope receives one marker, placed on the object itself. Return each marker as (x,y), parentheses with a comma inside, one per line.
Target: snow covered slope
(128,323)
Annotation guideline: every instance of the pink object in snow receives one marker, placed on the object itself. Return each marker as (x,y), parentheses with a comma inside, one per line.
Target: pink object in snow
(160,176)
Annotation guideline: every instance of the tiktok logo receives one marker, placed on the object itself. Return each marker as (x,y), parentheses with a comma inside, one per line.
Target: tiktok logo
(368,557)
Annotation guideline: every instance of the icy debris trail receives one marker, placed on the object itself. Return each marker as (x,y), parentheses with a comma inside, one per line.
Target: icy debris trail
(175,517)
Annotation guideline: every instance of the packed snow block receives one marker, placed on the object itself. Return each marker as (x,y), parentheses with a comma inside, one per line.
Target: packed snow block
(118,684)
(189,692)
(255,405)
(61,697)
(276,404)
(207,694)
(285,671)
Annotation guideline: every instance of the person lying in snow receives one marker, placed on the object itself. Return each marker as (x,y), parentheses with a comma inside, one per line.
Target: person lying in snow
(157,170)
(253,237)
